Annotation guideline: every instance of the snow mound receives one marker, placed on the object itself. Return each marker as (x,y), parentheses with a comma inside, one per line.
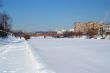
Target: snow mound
(108,37)
(11,39)
(83,37)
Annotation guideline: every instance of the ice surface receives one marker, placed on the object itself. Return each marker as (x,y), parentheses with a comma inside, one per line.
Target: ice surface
(68,55)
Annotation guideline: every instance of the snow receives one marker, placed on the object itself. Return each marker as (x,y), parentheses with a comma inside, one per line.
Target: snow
(108,37)
(16,57)
(68,55)
(54,55)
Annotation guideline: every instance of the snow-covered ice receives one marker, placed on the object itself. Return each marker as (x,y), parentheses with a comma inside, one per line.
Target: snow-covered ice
(68,55)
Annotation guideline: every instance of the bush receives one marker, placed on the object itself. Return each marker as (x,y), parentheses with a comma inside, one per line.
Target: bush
(3,34)
(18,34)
(68,34)
(27,36)
(72,34)
(92,32)
(78,34)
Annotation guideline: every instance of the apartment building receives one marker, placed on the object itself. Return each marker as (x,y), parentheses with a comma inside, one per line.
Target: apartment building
(85,26)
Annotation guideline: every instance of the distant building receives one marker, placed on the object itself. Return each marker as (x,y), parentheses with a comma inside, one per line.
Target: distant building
(102,28)
(71,30)
(85,26)
(106,27)
(61,31)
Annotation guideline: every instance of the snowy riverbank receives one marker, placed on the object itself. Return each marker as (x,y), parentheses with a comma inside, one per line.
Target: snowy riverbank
(16,57)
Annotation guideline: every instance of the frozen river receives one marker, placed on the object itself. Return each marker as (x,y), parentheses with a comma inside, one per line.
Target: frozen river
(67,55)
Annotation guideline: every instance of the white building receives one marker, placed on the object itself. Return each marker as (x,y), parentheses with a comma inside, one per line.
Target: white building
(71,30)
(61,31)
(106,27)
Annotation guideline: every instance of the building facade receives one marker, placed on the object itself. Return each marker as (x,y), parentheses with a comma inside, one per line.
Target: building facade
(85,26)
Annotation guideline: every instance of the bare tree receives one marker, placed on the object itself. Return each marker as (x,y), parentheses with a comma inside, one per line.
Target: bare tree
(5,26)
(4,22)
(92,32)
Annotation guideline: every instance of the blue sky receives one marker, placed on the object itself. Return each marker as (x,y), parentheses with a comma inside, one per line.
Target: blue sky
(36,15)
